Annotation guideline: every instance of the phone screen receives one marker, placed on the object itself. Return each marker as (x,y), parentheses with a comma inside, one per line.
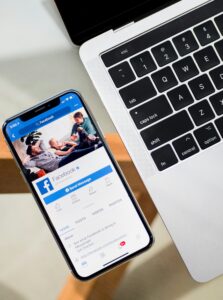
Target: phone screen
(73,176)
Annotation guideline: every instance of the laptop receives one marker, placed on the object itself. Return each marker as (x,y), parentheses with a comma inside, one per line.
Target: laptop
(157,66)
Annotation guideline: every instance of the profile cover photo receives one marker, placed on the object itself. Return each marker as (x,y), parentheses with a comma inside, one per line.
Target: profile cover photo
(57,144)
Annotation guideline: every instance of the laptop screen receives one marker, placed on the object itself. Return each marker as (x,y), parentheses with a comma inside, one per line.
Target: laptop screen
(86,19)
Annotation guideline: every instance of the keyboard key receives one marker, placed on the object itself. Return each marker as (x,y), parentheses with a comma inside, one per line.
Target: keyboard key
(185,146)
(201,113)
(219,124)
(185,43)
(138,92)
(121,74)
(180,97)
(219,47)
(207,136)
(217,103)
(219,22)
(150,112)
(143,64)
(207,58)
(217,77)
(201,87)
(164,79)
(164,157)
(166,130)
(186,69)
(164,54)
(206,33)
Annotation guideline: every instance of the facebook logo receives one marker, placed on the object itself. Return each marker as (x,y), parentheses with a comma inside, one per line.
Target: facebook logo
(44,186)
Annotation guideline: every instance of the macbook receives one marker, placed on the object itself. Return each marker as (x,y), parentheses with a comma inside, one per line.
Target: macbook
(157,66)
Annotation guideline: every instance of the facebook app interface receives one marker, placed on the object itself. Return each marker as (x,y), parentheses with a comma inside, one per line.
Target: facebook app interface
(65,160)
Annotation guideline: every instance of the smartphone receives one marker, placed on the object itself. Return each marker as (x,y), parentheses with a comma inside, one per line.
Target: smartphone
(77,185)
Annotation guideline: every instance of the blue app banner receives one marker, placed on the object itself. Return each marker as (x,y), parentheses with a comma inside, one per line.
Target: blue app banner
(78,184)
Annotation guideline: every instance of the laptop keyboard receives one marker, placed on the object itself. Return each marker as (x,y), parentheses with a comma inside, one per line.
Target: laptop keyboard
(172,90)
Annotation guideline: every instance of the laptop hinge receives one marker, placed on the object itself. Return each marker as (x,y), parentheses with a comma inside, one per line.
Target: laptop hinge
(147,13)
(124,26)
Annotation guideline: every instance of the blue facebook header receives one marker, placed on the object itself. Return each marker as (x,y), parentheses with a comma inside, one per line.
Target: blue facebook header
(18,128)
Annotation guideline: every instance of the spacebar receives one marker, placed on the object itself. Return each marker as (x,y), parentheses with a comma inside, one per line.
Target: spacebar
(167,130)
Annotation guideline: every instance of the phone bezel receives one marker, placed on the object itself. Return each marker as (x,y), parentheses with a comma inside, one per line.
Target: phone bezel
(41,206)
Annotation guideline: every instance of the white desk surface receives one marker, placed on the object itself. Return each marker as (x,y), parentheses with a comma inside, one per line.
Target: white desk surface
(31,263)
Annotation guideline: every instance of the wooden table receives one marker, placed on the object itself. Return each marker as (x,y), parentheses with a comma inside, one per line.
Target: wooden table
(103,287)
